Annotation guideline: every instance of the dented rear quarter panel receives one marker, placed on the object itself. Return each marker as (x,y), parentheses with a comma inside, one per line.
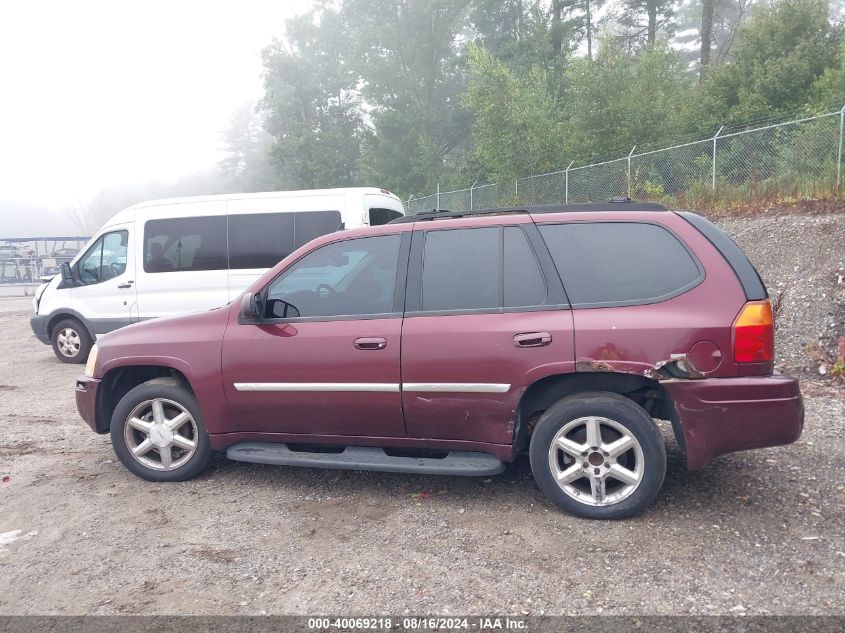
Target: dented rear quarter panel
(635,339)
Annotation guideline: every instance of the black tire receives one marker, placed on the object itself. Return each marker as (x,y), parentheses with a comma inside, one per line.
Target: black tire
(621,412)
(170,390)
(62,346)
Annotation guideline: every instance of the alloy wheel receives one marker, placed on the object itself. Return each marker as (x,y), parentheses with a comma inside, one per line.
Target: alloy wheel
(161,434)
(596,461)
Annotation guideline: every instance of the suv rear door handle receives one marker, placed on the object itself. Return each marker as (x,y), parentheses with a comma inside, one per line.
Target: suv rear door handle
(532,339)
(370,342)
(127,284)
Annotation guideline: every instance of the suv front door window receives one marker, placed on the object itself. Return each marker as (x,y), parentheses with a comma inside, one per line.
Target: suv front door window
(343,279)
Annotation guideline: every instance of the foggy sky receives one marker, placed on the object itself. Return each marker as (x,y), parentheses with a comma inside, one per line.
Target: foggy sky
(100,93)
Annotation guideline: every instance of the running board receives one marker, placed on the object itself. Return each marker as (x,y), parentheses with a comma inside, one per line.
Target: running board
(368,458)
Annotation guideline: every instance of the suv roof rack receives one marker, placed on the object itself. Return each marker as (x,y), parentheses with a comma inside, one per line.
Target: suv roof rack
(614,204)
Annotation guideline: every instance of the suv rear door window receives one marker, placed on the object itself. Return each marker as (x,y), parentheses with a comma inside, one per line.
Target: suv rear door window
(522,279)
(461,269)
(619,263)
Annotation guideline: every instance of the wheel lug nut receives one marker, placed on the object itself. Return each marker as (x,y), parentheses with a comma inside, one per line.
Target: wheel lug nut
(597,470)
(586,465)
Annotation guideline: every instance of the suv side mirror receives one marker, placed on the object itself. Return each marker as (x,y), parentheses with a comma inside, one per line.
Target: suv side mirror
(67,274)
(251,307)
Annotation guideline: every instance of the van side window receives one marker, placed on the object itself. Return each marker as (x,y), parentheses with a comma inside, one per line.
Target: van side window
(182,244)
(106,259)
(383,216)
(354,277)
(262,240)
(619,263)
(309,225)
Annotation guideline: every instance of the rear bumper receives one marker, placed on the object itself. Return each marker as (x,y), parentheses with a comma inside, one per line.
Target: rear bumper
(38,323)
(86,402)
(724,415)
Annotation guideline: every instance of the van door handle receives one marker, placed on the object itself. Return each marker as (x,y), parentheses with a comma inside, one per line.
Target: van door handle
(127,284)
(532,339)
(372,342)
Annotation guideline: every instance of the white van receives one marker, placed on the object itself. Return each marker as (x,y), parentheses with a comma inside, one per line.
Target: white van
(182,255)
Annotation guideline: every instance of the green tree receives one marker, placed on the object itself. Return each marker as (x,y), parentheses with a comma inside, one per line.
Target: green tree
(828,91)
(516,130)
(311,104)
(247,145)
(642,19)
(777,57)
(620,100)
(409,63)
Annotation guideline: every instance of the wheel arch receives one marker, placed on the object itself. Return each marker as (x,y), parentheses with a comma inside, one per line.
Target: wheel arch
(541,394)
(118,381)
(66,313)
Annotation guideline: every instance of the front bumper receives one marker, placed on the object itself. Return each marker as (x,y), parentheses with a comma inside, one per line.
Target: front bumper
(38,323)
(724,415)
(86,402)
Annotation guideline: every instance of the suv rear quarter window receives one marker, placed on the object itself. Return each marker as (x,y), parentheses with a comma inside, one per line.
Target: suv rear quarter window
(620,263)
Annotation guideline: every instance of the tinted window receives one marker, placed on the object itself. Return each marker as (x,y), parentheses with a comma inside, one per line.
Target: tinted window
(461,269)
(106,259)
(313,224)
(523,282)
(619,263)
(383,216)
(352,277)
(260,240)
(181,244)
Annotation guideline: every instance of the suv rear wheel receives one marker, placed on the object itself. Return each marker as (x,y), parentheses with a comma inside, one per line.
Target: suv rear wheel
(598,455)
(158,433)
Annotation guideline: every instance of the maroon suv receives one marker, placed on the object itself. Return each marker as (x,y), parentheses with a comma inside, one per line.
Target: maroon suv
(451,343)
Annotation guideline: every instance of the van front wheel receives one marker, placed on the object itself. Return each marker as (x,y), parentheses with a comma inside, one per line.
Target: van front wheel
(71,341)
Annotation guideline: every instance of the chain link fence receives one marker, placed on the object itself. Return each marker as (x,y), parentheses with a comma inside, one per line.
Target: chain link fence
(792,160)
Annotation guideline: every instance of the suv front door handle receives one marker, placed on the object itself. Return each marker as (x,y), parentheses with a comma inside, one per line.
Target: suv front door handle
(127,284)
(532,339)
(370,342)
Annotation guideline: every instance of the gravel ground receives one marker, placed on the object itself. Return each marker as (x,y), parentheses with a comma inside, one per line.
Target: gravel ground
(802,256)
(755,533)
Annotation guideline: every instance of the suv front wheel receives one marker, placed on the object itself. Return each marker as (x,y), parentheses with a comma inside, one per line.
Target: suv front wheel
(598,455)
(158,433)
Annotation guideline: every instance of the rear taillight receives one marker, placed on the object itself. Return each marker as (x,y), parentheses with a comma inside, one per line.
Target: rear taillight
(754,333)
